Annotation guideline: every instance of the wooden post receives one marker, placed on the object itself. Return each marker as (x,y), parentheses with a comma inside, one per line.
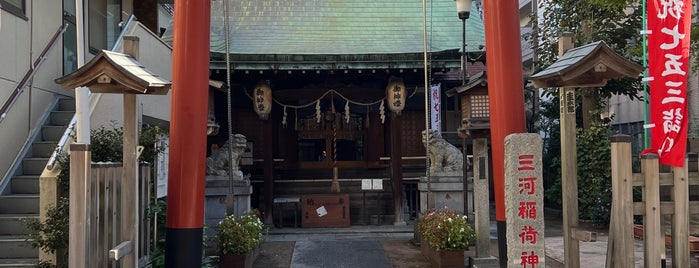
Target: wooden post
(397,170)
(569,165)
(129,181)
(620,250)
(129,185)
(80,158)
(48,197)
(680,219)
(653,236)
(569,177)
(268,128)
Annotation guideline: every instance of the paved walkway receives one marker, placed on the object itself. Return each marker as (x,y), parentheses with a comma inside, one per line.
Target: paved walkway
(339,253)
(362,246)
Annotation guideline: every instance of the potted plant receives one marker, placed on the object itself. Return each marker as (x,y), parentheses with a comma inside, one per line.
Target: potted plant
(445,235)
(239,238)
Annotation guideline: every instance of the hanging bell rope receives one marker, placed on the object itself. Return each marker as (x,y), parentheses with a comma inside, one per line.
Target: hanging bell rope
(335,186)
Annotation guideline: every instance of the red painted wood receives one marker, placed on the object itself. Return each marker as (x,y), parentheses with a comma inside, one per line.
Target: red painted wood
(190,87)
(505,86)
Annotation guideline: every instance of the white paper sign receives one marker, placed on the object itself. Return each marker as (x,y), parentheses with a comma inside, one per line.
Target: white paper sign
(161,168)
(366,184)
(377,184)
(321,211)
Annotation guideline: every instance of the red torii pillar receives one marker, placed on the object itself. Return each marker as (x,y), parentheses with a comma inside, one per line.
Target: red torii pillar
(186,182)
(506,94)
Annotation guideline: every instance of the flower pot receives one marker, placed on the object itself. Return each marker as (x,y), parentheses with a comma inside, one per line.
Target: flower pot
(443,258)
(242,260)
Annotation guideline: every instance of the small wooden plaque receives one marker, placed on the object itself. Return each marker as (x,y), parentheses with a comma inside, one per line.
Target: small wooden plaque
(329,210)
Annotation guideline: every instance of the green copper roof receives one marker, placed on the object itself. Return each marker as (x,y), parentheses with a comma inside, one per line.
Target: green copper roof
(335,27)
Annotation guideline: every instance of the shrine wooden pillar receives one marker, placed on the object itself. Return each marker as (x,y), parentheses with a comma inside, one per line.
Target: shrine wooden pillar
(397,169)
(268,152)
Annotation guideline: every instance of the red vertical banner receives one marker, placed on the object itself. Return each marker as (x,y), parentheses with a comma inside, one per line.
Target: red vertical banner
(668,65)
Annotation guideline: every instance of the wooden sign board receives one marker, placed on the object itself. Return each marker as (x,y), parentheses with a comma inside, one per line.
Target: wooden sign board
(330,210)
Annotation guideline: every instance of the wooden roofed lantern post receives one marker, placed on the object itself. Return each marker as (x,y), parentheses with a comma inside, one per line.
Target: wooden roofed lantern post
(120,73)
(475,124)
(587,66)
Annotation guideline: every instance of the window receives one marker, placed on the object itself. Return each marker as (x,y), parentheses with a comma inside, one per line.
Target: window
(103,23)
(16,7)
(480,106)
(70,48)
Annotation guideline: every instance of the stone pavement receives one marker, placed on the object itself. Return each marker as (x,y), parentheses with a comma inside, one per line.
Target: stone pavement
(365,246)
(339,253)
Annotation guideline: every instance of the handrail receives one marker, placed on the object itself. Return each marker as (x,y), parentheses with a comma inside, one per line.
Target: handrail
(66,135)
(32,70)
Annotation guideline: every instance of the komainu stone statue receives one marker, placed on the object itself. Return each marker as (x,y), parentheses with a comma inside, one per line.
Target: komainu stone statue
(444,157)
(217,163)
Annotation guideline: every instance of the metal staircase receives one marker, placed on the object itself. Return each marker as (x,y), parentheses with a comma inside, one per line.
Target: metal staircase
(20,199)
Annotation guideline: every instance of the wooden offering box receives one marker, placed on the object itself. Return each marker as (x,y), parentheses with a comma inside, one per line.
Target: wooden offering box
(327,210)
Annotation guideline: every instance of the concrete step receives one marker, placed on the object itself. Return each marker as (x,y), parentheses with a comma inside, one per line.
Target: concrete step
(66,104)
(52,133)
(61,118)
(43,149)
(19,204)
(33,166)
(25,184)
(16,247)
(12,224)
(18,263)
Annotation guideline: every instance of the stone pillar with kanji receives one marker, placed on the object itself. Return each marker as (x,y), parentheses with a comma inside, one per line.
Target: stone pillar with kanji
(524,201)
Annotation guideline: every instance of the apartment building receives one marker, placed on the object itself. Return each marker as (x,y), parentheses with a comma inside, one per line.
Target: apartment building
(38,43)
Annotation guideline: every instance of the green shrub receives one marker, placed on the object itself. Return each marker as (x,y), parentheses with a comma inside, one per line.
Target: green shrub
(594,175)
(446,230)
(106,146)
(240,233)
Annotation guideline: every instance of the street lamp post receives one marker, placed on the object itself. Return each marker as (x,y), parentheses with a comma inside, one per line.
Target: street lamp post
(463,8)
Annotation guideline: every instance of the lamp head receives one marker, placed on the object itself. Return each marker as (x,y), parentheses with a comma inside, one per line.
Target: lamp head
(463,8)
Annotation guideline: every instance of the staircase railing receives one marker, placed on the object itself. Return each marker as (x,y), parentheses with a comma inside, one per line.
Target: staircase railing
(71,126)
(30,73)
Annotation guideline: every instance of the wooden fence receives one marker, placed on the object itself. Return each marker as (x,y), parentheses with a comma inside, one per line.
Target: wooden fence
(653,180)
(103,227)
(104,213)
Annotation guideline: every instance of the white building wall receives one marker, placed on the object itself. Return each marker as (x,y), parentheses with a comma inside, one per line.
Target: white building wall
(625,110)
(21,42)
(156,56)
